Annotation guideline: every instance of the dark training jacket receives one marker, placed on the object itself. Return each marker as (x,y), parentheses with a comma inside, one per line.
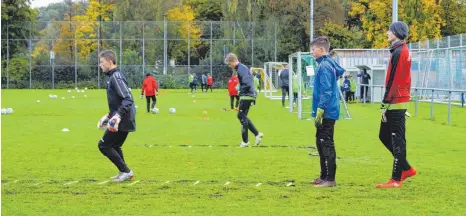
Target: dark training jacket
(246,81)
(120,100)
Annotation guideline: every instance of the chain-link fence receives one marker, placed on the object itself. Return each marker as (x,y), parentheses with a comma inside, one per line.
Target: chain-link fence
(63,54)
(436,63)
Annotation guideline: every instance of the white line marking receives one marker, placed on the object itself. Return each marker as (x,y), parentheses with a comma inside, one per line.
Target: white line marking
(227,183)
(39,183)
(104,182)
(289,184)
(258,184)
(197,182)
(70,183)
(133,183)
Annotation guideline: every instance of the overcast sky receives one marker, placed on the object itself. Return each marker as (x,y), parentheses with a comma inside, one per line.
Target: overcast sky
(42,3)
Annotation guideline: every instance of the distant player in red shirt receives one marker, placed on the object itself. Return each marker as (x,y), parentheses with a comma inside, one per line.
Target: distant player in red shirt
(151,88)
(395,103)
(210,82)
(233,91)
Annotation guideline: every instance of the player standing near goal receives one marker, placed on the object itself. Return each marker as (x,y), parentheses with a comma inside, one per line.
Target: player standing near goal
(247,98)
(121,118)
(325,109)
(395,103)
(151,88)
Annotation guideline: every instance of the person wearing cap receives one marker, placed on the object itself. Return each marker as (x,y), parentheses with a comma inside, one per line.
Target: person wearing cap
(395,104)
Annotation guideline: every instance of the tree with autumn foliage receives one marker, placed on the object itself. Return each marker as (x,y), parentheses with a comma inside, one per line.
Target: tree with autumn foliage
(81,30)
(423,17)
(182,17)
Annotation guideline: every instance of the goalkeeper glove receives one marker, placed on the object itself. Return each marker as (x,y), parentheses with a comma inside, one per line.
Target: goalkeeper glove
(319,118)
(102,123)
(113,123)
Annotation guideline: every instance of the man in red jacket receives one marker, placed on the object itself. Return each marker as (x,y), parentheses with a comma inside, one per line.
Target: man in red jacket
(151,88)
(233,91)
(210,82)
(395,104)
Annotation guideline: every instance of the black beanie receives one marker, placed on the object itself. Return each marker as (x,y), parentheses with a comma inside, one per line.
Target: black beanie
(400,29)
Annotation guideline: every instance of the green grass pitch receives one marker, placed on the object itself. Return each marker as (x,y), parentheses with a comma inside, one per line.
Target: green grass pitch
(182,163)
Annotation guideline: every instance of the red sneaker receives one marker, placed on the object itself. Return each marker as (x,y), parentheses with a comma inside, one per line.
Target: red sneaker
(408,173)
(390,184)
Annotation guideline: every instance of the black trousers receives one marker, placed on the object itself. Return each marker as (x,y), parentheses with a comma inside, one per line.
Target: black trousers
(351,95)
(246,124)
(364,90)
(207,87)
(154,101)
(232,100)
(295,97)
(202,86)
(285,91)
(110,146)
(326,149)
(392,135)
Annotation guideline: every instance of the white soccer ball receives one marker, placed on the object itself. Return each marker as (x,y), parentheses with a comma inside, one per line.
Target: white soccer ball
(38,101)
(155,110)
(50,96)
(54,96)
(3,111)
(172,110)
(9,110)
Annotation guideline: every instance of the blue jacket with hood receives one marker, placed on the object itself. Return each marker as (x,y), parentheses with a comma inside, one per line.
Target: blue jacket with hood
(326,91)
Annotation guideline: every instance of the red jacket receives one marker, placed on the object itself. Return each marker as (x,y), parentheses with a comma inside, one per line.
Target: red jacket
(210,81)
(149,86)
(398,80)
(232,83)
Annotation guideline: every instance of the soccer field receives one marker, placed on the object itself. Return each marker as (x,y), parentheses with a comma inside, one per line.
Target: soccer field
(187,165)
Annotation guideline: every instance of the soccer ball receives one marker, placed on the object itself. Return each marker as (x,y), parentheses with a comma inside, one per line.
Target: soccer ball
(54,96)
(155,110)
(172,110)
(9,111)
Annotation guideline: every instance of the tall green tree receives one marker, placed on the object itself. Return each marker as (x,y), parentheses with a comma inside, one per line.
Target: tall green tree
(454,17)
(20,19)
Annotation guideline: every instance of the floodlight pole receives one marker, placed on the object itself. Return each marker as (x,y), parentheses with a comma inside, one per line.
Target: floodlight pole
(311,21)
(165,47)
(394,11)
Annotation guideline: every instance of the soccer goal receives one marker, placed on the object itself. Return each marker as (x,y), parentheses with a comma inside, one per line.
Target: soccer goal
(302,68)
(272,80)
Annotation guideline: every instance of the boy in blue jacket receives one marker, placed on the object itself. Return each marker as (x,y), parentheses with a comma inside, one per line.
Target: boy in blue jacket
(325,109)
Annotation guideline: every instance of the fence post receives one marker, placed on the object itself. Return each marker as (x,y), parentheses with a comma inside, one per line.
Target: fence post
(120,61)
(189,47)
(143,50)
(75,55)
(210,52)
(449,107)
(275,41)
(30,55)
(52,64)
(7,55)
(416,107)
(165,46)
(432,105)
(252,45)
